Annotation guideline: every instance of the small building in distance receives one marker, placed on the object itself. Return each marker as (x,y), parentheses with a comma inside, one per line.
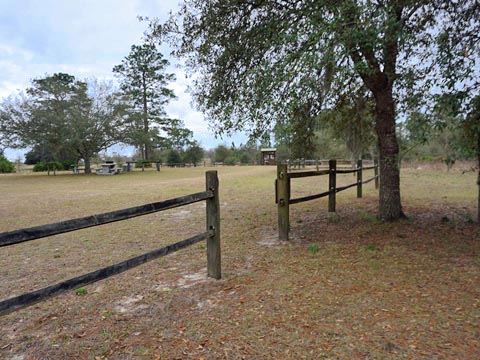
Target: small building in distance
(269,156)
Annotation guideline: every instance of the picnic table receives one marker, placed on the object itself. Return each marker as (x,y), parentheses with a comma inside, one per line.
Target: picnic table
(107,169)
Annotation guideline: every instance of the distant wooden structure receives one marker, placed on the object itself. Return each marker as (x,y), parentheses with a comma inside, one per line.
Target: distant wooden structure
(269,156)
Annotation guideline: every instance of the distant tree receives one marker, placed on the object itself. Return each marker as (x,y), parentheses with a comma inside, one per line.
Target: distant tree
(60,120)
(98,121)
(6,166)
(40,153)
(352,120)
(194,153)
(249,152)
(41,116)
(174,158)
(470,140)
(298,132)
(329,145)
(178,138)
(210,154)
(143,80)
(447,130)
(221,153)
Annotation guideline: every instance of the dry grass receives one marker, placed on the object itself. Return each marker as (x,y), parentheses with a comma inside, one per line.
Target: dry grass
(344,287)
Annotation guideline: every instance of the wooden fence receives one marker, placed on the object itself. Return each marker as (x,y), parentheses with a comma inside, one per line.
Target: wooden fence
(212,235)
(283,186)
(302,164)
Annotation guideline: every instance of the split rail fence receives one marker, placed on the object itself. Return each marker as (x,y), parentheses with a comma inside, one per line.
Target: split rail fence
(212,235)
(283,188)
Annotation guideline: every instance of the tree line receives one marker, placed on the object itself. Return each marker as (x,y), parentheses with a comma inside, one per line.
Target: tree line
(347,131)
(62,118)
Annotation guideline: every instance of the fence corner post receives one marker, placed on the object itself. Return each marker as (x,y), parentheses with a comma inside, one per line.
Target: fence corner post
(214,265)
(283,196)
(359,178)
(377,179)
(332,185)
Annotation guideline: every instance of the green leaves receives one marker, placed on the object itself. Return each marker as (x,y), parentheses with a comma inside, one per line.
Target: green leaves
(259,61)
(256,59)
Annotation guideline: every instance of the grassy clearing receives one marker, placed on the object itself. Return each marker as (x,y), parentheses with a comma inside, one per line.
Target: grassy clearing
(346,286)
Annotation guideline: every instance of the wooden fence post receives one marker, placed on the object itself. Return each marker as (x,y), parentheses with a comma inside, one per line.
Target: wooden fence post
(283,196)
(143,166)
(377,182)
(332,185)
(214,265)
(359,178)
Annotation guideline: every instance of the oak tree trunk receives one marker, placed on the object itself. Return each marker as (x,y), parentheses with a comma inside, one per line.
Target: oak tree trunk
(88,168)
(478,177)
(390,207)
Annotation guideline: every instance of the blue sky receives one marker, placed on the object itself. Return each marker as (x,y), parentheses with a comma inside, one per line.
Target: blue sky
(85,38)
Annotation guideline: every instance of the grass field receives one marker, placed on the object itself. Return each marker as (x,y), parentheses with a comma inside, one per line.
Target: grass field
(344,287)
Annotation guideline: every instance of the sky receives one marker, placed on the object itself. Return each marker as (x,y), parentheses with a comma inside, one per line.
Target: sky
(86,38)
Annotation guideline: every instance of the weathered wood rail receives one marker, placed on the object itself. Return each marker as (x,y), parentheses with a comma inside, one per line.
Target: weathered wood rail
(212,235)
(283,188)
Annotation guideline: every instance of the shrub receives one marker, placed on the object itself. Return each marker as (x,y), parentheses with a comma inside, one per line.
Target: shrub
(81,292)
(429,158)
(222,153)
(68,164)
(38,167)
(174,158)
(41,166)
(138,164)
(231,160)
(6,166)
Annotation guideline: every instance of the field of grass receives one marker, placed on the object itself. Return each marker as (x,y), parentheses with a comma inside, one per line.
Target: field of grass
(344,287)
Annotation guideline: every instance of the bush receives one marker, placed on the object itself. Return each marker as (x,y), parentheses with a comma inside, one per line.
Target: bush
(138,164)
(231,160)
(6,166)
(222,153)
(41,166)
(429,158)
(174,158)
(68,164)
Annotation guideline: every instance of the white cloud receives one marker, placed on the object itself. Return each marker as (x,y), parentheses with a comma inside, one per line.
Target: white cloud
(84,38)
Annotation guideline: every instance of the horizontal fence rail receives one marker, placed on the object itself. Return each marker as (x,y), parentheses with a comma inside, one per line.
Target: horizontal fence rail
(283,188)
(302,164)
(212,235)
(38,232)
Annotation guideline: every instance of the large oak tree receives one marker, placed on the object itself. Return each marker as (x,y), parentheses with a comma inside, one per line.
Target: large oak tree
(258,60)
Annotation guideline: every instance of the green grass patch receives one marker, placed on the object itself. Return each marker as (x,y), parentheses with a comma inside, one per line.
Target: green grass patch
(81,292)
